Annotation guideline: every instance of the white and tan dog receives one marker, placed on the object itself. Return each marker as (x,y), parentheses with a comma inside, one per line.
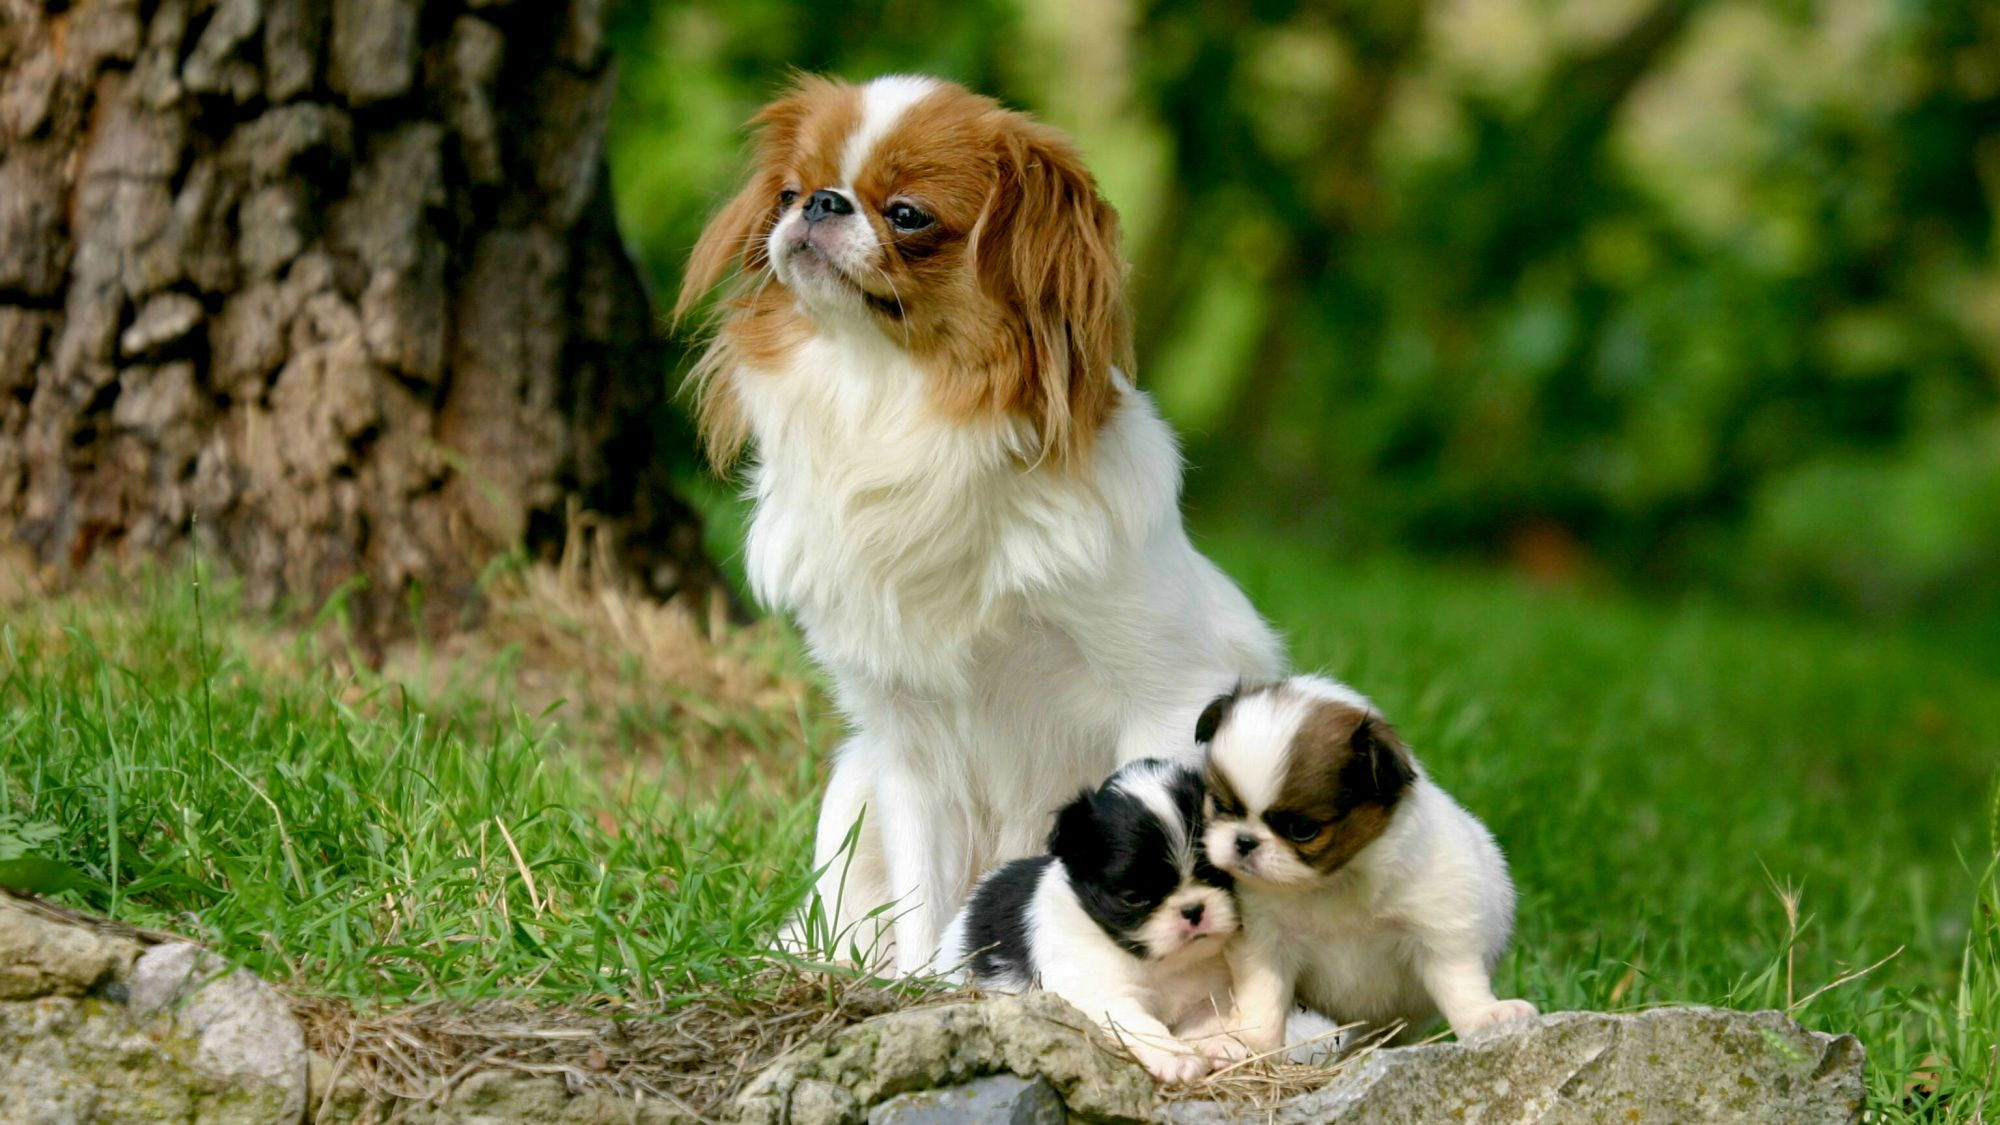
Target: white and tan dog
(1367,894)
(959,494)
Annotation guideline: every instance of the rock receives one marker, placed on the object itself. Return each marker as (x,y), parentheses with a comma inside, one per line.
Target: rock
(67,1061)
(844,1077)
(42,956)
(243,1028)
(1002,1099)
(94,1029)
(492,1097)
(1669,1065)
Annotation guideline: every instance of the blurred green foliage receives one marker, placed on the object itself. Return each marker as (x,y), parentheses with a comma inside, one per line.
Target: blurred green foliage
(1661,291)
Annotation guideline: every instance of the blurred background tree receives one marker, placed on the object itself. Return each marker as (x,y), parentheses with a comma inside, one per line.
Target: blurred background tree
(1658,292)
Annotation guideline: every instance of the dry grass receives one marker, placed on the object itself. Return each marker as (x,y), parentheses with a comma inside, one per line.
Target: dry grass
(1259,1084)
(618,673)
(694,1056)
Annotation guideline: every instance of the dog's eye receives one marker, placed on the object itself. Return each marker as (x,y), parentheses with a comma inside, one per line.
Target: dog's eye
(906,218)
(1297,829)
(787,197)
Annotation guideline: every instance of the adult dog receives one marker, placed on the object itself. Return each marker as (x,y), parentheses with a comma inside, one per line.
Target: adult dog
(960,495)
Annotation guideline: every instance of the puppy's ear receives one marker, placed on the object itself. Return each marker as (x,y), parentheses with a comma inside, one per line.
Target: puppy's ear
(1047,249)
(1378,767)
(1213,714)
(1076,834)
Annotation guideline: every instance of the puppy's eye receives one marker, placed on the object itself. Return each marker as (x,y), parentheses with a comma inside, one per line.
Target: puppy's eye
(906,218)
(787,197)
(1297,829)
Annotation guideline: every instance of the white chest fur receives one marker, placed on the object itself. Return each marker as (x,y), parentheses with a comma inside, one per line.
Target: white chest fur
(999,632)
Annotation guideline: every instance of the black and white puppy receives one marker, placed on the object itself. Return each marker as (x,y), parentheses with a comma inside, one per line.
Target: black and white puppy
(1367,893)
(1124,918)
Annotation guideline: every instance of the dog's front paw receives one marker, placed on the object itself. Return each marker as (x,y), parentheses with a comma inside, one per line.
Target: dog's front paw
(1172,1068)
(1498,1012)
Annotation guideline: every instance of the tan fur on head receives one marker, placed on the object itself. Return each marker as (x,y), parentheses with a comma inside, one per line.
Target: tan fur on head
(1049,251)
(1013,301)
(1348,771)
(1311,792)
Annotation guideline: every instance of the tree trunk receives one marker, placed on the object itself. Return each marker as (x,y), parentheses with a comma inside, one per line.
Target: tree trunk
(333,285)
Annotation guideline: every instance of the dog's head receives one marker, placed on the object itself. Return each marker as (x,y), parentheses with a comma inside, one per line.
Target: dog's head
(933,220)
(1133,851)
(1302,776)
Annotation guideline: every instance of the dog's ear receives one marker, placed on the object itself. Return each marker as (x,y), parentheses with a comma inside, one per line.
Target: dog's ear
(733,241)
(1213,714)
(1076,835)
(1378,767)
(1047,248)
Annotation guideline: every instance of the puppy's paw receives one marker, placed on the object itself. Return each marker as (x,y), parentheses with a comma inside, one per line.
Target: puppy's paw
(1498,1012)
(1172,1068)
(1223,1048)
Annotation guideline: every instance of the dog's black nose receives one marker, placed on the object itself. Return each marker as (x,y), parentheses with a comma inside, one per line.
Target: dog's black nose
(1192,912)
(822,203)
(1245,843)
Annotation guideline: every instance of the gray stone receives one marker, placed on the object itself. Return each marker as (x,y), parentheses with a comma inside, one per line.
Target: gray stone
(1667,1066)
(93,1029)
(1001,1099)
(838,1079)
(489,1097)
(43,956)
(243,1029)
(72,1061)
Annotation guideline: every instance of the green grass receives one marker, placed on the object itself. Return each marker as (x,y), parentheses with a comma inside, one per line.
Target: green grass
(326,831)
(1663,779)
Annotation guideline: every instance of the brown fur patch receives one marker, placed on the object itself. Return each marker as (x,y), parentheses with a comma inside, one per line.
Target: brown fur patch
(1014,299)
(1346,771)
(797,148)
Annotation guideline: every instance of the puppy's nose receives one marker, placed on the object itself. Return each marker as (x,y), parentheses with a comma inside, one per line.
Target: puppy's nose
(1245,843)
(1192,912)
(823,203)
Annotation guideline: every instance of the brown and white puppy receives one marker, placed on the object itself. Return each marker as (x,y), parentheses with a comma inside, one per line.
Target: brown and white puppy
(1367,893)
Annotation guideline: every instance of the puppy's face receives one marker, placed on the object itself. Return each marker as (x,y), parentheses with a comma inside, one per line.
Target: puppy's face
(1302,775)
(1133,849)
(965,234)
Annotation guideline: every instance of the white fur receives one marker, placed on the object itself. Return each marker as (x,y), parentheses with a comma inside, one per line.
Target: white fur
(999,632)
(883,103)
(1148,1004)
(1411,927)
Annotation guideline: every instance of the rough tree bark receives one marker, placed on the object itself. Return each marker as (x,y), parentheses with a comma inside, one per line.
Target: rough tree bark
(337,277)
